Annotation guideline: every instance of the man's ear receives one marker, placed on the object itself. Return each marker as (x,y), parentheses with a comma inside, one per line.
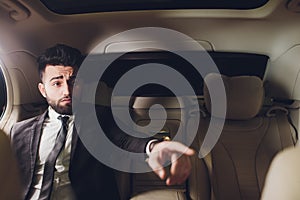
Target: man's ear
(42,89)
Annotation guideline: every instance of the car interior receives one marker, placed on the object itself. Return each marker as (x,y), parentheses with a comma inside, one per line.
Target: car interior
(255,46)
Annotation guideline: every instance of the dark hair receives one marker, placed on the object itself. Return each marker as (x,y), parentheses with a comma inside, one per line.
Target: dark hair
(59,54)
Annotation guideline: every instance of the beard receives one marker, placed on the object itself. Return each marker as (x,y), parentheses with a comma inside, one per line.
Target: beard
(61,109)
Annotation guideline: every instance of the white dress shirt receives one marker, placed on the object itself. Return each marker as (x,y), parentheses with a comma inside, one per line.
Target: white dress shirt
(62,189)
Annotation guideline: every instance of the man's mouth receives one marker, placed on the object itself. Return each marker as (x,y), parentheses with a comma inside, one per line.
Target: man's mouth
(66,100)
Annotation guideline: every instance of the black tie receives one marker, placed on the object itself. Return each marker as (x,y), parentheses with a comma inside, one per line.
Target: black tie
(51,160)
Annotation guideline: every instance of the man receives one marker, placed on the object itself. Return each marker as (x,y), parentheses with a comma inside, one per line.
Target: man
(49,142)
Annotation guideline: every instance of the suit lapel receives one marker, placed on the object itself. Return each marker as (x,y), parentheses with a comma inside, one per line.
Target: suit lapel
(35,139)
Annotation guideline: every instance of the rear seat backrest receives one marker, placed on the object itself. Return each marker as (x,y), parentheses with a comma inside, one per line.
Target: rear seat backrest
(147,186)
(239,161)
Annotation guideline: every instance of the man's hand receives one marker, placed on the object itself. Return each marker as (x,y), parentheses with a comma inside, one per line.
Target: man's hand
(176,153)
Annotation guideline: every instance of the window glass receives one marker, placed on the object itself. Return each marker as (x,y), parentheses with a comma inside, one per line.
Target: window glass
(228,63)
(3,93)
(88,6)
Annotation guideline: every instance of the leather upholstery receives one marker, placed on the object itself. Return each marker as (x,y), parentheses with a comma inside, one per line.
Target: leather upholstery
(244,94)
(240,159)
(283,179)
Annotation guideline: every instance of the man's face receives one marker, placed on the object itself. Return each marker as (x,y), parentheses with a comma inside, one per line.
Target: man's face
(57,86)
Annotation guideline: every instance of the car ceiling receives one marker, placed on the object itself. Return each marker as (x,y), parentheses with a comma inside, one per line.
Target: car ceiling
(269,30)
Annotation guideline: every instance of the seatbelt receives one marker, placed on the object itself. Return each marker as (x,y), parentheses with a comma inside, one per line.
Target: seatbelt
(296,136)
(284,122)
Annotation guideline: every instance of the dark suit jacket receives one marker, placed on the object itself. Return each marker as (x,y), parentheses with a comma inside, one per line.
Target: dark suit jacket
(90,179)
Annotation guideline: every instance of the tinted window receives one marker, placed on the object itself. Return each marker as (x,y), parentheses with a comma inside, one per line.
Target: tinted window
(88,6)
(3,94)
(228,63)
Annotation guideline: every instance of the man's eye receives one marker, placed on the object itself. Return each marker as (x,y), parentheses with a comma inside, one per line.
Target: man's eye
(56,84)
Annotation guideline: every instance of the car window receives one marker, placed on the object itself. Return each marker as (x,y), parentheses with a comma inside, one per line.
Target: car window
(228,63)
(3,93)
(89,6)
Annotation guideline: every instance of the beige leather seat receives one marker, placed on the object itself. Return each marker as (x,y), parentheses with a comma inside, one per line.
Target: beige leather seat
(283,178)
(147,186)
(240,159)
(9,176)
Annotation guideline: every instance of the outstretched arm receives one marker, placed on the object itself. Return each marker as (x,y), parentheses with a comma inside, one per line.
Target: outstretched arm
(175,153)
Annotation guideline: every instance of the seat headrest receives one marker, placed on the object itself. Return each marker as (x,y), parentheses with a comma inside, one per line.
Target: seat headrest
(245,96)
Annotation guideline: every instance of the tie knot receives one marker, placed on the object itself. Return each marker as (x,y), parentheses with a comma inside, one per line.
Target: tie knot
(63,119)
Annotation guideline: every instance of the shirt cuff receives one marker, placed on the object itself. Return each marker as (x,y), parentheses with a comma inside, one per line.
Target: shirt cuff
(148,146)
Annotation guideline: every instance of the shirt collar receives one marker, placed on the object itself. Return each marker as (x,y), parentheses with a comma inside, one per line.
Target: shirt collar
(53,115)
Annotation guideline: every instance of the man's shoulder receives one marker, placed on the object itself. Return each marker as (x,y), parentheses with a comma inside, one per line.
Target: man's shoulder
(28,121)
(22,129)
(22,125)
